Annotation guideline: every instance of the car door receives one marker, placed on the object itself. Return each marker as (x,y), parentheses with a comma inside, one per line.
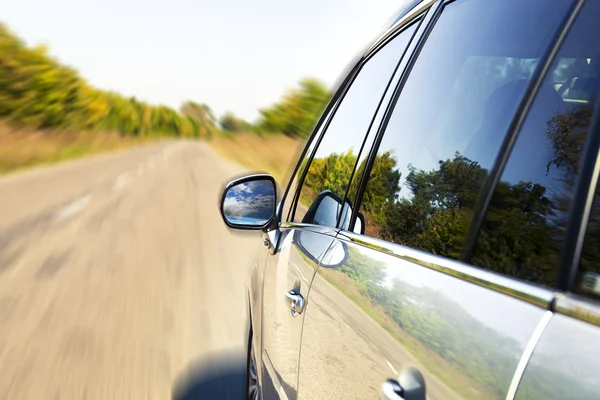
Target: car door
(565,363)
(453,278)
(317,207)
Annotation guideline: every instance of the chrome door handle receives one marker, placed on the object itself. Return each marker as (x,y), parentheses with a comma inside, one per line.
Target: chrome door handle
(296,302)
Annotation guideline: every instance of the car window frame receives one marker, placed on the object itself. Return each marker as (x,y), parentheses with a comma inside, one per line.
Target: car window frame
(415,16)
(315,137)
(544,66)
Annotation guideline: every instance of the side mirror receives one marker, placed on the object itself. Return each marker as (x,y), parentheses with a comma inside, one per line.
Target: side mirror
(249,202)
(326,208)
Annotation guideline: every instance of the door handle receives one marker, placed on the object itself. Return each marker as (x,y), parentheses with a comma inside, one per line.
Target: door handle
(409,386)
(296,302)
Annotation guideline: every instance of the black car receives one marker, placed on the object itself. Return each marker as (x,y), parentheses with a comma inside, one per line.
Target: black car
(440,235)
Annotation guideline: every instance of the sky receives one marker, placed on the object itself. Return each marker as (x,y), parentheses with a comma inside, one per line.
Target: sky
(235,55)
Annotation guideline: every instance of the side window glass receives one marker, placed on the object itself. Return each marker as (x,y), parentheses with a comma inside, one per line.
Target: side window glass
(330,171)
(525,225)
(450,120)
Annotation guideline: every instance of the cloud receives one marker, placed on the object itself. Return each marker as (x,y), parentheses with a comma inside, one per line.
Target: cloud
(258,206)
(243,188)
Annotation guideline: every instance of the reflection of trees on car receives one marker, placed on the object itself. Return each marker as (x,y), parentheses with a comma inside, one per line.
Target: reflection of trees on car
(518,238)
(524,224)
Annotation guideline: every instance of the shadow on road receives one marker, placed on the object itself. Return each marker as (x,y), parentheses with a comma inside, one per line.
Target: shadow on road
(217,376)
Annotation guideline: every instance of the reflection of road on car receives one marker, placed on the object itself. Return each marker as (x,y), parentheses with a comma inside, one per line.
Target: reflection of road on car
(439,236)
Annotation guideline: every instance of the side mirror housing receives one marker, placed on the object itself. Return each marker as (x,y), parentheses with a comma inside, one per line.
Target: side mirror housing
(326,209)
(249,203)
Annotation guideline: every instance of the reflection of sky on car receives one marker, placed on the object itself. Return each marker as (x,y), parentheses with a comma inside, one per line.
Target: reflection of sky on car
(250,200)
(491,313)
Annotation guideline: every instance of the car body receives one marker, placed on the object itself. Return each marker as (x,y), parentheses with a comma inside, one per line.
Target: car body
(438,237)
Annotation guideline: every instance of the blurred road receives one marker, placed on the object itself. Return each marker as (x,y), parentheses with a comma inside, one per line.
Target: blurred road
(117,274)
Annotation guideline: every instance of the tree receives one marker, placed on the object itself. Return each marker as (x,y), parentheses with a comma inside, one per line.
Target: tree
(203,115)
(39,92)
(298,111)
(230,123)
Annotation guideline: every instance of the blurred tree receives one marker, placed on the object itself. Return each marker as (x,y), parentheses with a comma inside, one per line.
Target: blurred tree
(230,123)
(298,111)
(37,91)
(203,115)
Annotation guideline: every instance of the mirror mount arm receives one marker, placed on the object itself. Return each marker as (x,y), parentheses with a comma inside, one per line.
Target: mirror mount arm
(271,232)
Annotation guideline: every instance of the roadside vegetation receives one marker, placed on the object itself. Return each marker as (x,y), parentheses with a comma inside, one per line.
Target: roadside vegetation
(24,148)
(49,113)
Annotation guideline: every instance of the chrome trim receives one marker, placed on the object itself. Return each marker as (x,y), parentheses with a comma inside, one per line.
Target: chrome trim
(324,230)
(524,291)
(410,16)
(533,341)
(578,307)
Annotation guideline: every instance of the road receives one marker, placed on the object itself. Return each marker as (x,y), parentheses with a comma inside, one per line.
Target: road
(118,278)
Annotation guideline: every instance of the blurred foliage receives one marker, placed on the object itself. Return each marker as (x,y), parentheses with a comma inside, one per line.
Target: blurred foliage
(297,112)
(230,123)
(39,92)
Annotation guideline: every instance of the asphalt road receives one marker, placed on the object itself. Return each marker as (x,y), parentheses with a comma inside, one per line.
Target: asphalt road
(118,278)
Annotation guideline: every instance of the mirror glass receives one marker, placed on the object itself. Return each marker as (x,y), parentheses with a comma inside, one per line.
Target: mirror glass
(250,203)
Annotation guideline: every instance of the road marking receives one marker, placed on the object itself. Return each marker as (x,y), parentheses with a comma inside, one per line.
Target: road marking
(73,208)
(121,181)
(391,367)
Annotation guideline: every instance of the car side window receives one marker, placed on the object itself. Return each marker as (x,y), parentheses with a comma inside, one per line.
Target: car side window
(330,170)
(525,225)
(450,119)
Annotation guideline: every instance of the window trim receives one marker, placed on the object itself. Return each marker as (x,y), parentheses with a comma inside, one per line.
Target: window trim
(370,136)
(316,135)
(427,23)
(340,95)
(578,307)
(525,291)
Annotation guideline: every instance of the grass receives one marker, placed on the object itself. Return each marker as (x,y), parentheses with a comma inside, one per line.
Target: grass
(24,148)
(436,365)
(273,153)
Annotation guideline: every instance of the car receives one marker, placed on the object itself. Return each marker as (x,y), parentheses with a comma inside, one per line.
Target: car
(439,237)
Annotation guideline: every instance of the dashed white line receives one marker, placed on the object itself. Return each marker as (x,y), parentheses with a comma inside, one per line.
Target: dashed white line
(73,208)
(391,367)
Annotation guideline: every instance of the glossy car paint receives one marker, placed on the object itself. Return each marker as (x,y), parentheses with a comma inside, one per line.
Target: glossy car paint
(346,348)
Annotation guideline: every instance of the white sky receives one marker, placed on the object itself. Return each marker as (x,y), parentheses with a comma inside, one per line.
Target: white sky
(237,55)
